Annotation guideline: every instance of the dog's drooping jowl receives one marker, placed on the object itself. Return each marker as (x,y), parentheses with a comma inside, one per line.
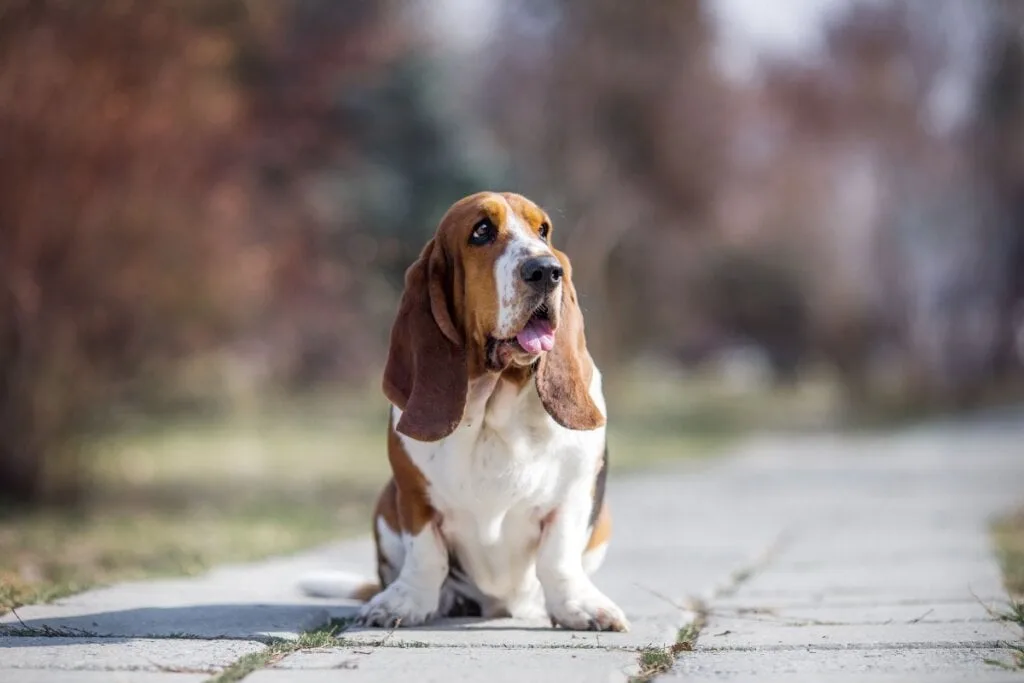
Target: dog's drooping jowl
(496,436)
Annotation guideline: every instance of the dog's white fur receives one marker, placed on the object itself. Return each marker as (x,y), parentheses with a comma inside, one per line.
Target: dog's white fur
(524,244)
(506,468)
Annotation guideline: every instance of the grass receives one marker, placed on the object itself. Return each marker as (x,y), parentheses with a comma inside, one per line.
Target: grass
(687,638)
(654,661)
(1009,537)
(47,555)
(44,631)
(1008,533)
(177,497)
(276,650)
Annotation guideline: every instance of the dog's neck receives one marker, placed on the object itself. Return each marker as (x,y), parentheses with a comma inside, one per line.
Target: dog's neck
(484,387)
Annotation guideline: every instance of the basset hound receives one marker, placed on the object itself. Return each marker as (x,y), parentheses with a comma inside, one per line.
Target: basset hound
(496,437)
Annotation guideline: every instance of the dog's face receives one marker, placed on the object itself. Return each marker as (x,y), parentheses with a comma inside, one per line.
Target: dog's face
(512,277)
(488,293)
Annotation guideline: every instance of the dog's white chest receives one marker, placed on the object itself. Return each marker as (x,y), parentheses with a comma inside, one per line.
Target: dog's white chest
(495,478)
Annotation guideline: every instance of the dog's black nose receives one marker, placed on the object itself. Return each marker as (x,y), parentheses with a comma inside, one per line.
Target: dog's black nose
(542,272)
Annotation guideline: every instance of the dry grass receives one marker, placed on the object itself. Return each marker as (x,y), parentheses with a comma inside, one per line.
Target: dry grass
(178,498)
(1009,537)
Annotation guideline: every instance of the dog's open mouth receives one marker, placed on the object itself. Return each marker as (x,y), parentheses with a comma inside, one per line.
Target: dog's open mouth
(538,335)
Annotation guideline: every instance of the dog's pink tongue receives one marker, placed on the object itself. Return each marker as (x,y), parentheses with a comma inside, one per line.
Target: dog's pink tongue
(537,336)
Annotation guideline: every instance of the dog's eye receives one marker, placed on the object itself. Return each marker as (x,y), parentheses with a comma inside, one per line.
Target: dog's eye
(484,232)
(545,230)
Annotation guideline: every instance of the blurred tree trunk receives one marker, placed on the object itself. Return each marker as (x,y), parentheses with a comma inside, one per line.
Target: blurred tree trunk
(20,467)
(998,140)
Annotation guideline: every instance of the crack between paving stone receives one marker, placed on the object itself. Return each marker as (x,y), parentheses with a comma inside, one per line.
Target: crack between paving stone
(745,573)
(654,661)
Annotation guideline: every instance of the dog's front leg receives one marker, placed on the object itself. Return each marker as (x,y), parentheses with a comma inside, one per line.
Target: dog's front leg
(413,597)
(572,599)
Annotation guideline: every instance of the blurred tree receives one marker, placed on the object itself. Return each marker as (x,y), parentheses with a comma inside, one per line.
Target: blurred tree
(835,216)
(617,122)
(851,132)
(113,114)
(886,226)
(181,179)
(997,137)
(354,165)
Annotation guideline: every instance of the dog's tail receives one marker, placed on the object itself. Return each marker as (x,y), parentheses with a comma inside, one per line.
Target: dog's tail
(338,584)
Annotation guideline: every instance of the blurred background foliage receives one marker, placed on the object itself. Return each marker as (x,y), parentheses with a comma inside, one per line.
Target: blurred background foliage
(206,207)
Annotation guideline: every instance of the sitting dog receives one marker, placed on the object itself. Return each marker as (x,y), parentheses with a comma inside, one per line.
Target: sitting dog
(496,437)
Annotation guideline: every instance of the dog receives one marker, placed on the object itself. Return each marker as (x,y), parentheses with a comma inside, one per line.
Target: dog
(496,437)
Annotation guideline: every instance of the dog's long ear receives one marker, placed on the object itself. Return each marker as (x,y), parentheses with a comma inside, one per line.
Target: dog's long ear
(426,374)
(564,372)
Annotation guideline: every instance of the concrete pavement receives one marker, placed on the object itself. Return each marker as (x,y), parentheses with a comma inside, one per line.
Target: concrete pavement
(814,558)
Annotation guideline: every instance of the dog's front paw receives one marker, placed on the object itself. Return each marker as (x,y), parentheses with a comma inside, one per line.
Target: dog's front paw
(587,610)
(399,605)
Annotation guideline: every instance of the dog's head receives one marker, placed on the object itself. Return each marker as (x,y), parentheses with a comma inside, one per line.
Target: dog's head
(488,294)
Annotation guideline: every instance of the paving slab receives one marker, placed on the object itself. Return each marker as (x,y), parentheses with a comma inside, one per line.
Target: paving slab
(820,557)
(853,614)
(776,603)
(886,573)
(742,634)
(111,654)
(427,665)
(873,556)
(905,665)
(511,633)
(51,676)
(871,546)
(952,579)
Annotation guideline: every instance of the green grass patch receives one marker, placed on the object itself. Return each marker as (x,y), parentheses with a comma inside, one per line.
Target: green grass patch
(277,649)
(654,661)
(687,638)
